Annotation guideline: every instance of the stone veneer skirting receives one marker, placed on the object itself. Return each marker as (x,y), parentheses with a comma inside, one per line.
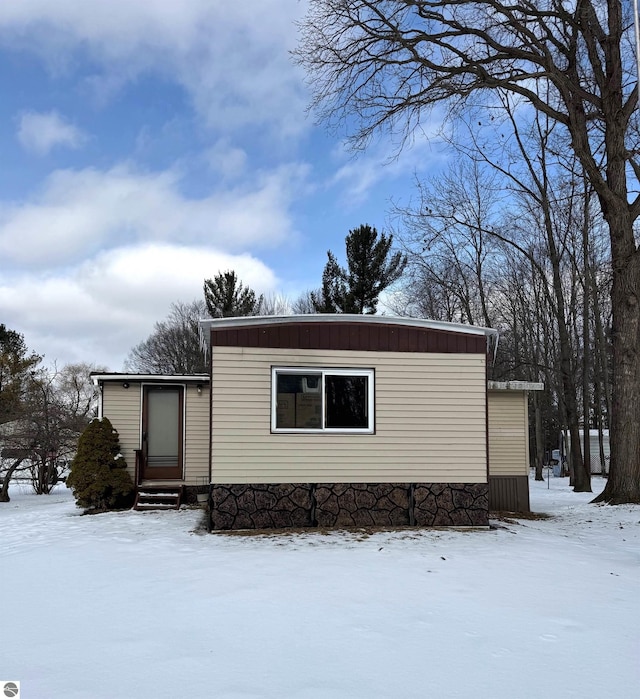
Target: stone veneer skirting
(295,505)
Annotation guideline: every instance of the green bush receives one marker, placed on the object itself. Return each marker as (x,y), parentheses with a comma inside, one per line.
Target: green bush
(99,478)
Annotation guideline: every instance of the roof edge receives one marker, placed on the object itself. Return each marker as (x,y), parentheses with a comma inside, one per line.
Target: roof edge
(193,378)
(252,321)
(515,386)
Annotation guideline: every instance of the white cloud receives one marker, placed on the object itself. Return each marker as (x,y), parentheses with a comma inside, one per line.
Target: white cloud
(229,161)
(78,212)
(99,310)
(384,160)
(232,58)
(357,177)
(40,132)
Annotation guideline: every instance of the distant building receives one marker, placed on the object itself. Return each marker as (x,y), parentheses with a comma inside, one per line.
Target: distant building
(598,466)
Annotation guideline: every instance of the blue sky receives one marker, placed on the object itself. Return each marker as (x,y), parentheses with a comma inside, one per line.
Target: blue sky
(146,145)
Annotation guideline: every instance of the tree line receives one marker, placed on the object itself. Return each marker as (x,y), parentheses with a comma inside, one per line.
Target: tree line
(539,272)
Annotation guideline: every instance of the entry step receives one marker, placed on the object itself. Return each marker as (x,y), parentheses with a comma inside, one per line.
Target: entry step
(161,498)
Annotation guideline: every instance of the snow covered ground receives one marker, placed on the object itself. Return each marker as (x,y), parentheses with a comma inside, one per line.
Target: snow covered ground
(146,605)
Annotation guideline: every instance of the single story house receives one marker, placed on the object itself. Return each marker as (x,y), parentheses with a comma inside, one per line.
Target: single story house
(329,421)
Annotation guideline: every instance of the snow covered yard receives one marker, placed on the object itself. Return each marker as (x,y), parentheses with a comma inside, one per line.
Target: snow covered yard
(144,605)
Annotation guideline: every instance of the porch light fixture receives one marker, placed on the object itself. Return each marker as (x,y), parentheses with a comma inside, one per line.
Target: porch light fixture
(199,388)
(125,384)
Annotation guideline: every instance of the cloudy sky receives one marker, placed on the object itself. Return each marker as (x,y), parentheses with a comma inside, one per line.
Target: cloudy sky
(146,145)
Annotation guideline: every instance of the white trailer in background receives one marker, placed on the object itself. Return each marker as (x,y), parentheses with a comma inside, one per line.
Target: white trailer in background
(598,466)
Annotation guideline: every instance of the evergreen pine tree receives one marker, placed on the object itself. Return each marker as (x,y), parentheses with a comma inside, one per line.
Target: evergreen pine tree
(333,289)
(370,270)
(15,365)
(99,477)
(226,297)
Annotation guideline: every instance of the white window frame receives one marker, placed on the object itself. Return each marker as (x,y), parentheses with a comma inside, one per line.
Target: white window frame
(324,371)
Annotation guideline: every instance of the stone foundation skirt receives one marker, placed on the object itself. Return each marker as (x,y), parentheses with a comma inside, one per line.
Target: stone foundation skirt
(336,505)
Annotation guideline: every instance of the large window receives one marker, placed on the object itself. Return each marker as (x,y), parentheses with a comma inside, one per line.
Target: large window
(326,400)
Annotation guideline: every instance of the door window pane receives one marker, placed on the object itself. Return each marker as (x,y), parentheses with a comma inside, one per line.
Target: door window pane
(163,438)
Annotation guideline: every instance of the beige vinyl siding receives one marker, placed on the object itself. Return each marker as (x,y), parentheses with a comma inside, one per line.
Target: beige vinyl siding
(508,433)
(196,440)
(430,420)
(123,407)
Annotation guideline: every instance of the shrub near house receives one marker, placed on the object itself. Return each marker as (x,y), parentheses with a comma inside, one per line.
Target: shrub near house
(98,477)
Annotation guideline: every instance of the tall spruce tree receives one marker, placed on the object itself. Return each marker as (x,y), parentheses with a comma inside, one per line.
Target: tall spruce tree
(226,297)
(371,268)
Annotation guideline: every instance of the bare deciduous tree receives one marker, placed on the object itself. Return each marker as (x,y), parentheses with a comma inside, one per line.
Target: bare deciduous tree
(275,305)
(386,63)
(62,403)
(56,406)
(303,305)
(174,345)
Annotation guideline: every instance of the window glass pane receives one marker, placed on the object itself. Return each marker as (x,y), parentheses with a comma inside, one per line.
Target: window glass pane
(299,400)
(346,401)
(285,409)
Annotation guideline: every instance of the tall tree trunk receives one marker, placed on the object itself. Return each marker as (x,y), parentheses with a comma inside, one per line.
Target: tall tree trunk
(538,453)
(4,488)
(586,355)
(563,445)
(603,458)
(567,378)
(623,485)
(599,424)
(602,351)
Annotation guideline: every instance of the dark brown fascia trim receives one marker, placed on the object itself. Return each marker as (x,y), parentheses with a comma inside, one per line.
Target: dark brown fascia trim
(343,334)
